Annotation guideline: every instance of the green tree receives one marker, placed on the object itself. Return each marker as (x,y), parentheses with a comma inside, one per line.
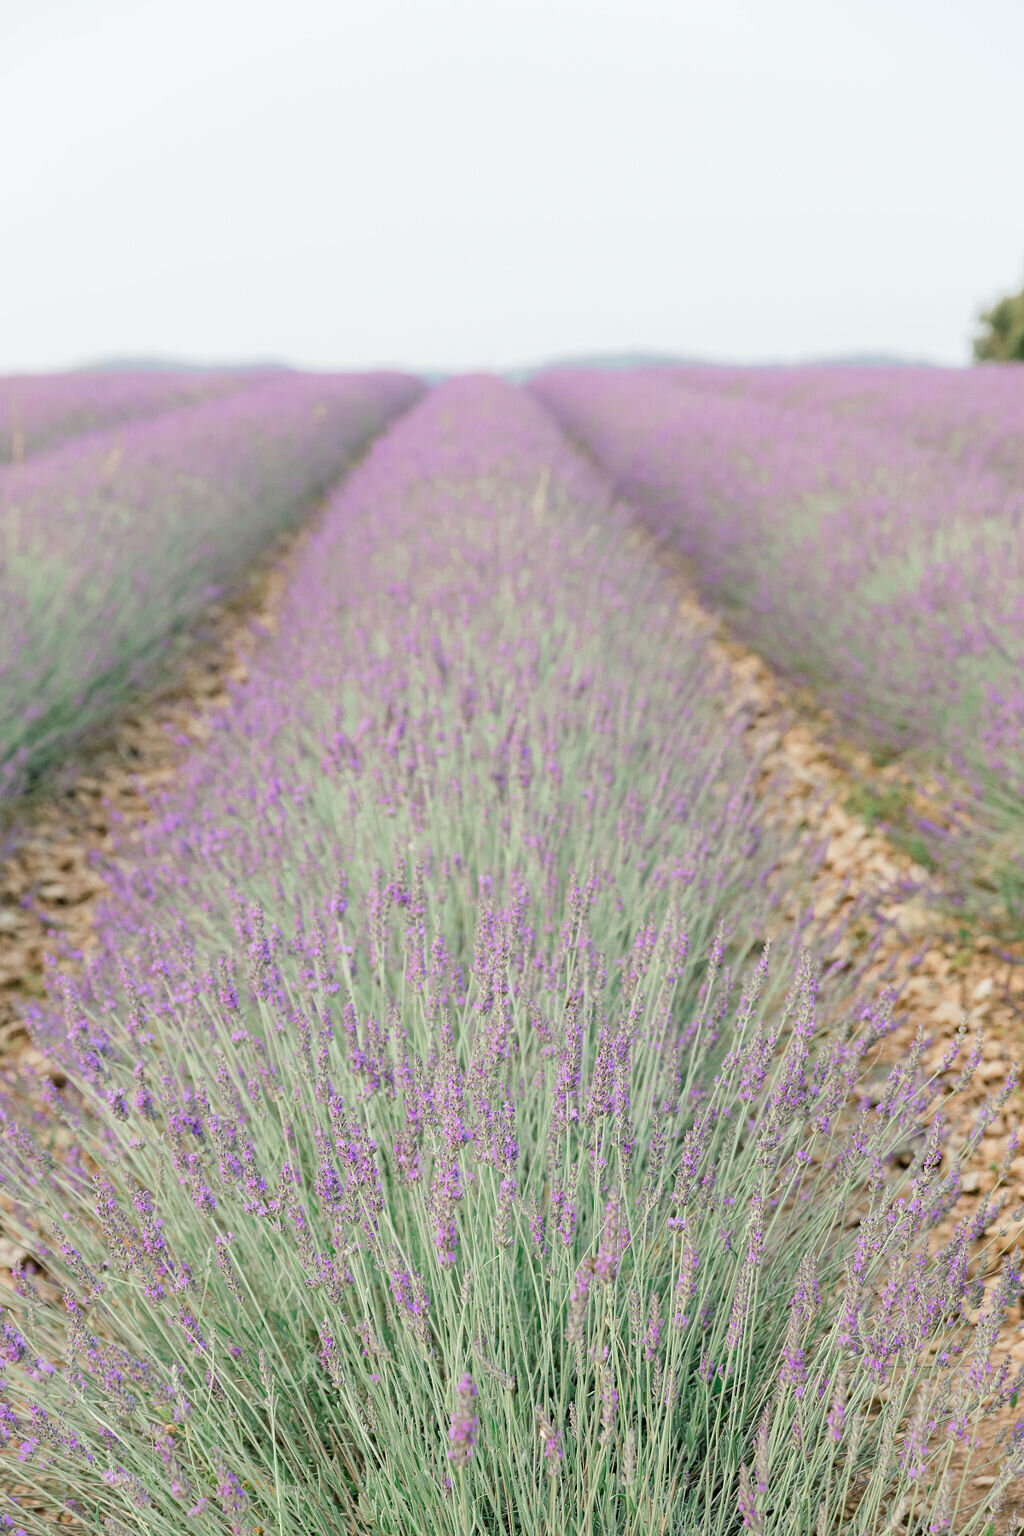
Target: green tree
(1003,338)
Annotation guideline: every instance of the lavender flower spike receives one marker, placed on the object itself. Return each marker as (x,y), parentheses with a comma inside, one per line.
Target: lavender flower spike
(465,1424)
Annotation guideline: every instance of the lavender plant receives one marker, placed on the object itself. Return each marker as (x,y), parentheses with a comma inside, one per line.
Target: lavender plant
(37,411)
(884,572)
(111,543)
(437,1149)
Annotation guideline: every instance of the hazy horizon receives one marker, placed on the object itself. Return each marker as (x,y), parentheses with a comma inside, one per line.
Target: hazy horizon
(523,368)
(454,185)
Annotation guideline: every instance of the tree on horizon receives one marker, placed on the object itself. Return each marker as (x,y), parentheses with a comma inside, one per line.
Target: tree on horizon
(1003,340)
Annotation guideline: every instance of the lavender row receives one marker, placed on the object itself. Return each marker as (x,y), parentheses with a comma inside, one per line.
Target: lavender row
(115,540)
(435,1151)
(974,416)
(885,573)
(38,411)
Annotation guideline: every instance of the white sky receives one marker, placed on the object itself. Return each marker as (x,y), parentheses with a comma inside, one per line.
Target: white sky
(463,183)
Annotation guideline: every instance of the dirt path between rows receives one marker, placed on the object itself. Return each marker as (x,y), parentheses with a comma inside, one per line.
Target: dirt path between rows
(945,972)
(50,842)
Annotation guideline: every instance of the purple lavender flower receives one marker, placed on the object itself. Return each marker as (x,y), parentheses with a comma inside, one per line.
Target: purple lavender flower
(465,1424)
(190,1323)
(914,1450)
(837,1412)
(793,1371)
(578,1304)
(446,1191)
(14,1347)
(752,1518)
(609,1406)
(652,1338)
(563,1215)
(686,1283)
(551,1441)
(740,1310)
(234,1500)
(614,1241)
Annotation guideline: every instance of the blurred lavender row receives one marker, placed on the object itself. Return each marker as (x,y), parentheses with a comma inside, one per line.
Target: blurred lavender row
(436,1150)
(973,415)
(883,565)
(111,542)
(39,410)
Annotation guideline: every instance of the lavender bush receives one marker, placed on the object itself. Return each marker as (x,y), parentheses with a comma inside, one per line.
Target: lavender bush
(110,543)
(885,572)
(438,1151)
(39,410)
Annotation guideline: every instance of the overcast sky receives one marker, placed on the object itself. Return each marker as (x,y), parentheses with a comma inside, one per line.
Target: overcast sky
(467,183)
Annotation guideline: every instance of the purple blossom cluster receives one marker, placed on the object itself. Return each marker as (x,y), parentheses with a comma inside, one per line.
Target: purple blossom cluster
(863,529)
(115,539)
(430,1148)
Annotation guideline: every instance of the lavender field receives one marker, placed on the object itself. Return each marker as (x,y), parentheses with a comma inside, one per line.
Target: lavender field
(112,540)
(864,531)
(431,1140)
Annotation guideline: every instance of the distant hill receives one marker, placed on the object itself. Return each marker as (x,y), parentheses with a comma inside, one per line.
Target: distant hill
(175,365)
(622,360)
(609,362)
(868,360)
